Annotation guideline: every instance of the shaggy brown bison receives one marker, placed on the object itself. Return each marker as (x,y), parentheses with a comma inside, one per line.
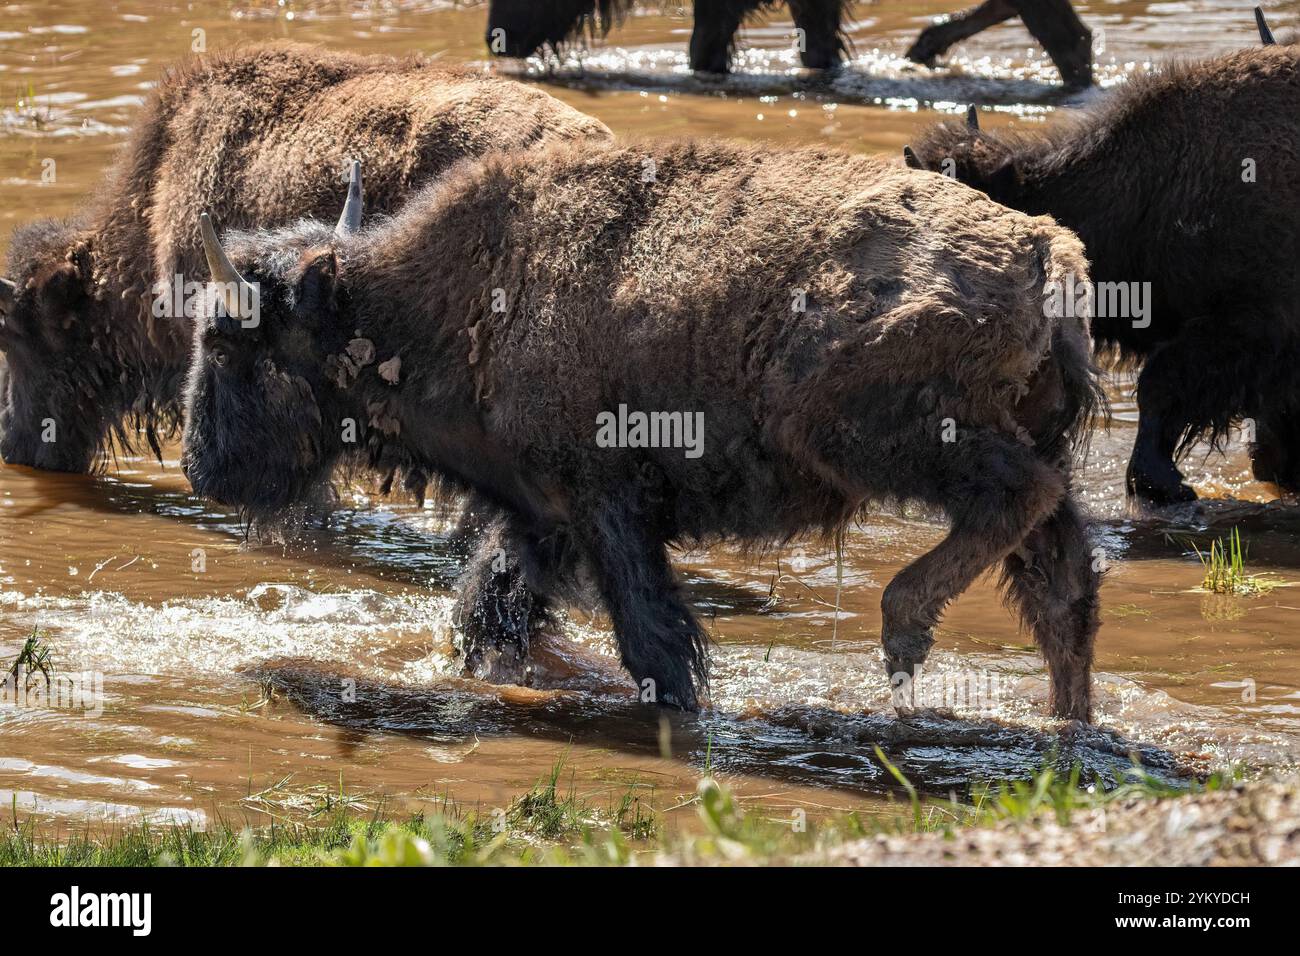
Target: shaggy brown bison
(1185,188)
(260,136)
(627,348)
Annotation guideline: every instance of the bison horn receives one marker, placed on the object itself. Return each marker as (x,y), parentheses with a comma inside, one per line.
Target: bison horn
(8,292)
(350,221)
(909,157)
(972,118)
(1265,33)
(223,271)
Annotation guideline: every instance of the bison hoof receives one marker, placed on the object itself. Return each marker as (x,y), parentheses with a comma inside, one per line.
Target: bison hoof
(1159,494)
(499,664)
(905,651)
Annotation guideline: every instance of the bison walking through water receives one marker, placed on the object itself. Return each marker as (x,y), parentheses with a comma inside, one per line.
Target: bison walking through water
(261,136)
(1185,188)
(519,28)
(846,331)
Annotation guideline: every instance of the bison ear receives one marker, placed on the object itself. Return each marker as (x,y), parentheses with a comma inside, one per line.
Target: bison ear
(317,286)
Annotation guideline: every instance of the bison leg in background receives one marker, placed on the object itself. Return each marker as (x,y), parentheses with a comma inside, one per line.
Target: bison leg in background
(1194,384)
(995,492)
(661,644)
(823,48)
(714,35)
(1275,452)
(1067,41)
(500,607)
(1050,580)
(1197,384)
(936,40)
(1053,23)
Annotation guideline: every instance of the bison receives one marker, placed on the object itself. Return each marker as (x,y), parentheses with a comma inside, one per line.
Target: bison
(260,136)
(519,28)
(1185,188)
(631,347)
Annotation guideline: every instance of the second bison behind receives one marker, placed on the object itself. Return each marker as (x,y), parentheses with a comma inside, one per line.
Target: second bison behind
(850,331)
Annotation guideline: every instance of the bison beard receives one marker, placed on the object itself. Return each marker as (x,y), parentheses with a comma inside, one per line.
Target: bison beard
(1218,243)
(260,136)
(919,317)
(519,28)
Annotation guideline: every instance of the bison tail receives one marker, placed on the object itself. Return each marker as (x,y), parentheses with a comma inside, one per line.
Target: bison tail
(1079,400)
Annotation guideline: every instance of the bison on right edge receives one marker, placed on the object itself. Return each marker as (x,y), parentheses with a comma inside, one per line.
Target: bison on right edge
(835,330)
(1185,188)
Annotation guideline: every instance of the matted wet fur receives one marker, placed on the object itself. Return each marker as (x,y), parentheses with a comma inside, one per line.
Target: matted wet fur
(257,136)
(1153,179)
(520,28)
(849,330)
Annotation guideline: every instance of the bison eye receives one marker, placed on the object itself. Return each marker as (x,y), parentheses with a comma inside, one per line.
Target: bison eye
(219,357)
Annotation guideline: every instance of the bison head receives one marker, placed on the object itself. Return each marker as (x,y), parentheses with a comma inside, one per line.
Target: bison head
(519,28)
(265,418)
(53,408)
(969,155)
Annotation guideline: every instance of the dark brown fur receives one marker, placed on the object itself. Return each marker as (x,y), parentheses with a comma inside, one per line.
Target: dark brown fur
(257,136)
(1152,181)
(664,276)
(519,28)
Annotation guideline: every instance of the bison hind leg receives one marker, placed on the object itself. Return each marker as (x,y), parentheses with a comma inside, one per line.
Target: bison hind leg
(1051,581)
(995,490)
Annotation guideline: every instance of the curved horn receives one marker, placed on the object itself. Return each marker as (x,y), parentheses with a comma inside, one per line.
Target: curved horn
(1265,33)
(8,292)
(909,157)
(350,220)
(972,118)
(222,270)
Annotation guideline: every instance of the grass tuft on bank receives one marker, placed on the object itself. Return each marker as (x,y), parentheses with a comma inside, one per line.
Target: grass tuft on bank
(552,825)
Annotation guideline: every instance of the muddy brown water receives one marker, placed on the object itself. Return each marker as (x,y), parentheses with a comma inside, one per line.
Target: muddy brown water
(346,627)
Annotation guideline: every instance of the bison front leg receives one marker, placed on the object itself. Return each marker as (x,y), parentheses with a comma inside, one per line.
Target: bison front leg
(1052,581)
(497,612)
(713,38)
(660,643)
(818,21)
(995,491)
(1063,35)
(1194,383)
(936,40)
